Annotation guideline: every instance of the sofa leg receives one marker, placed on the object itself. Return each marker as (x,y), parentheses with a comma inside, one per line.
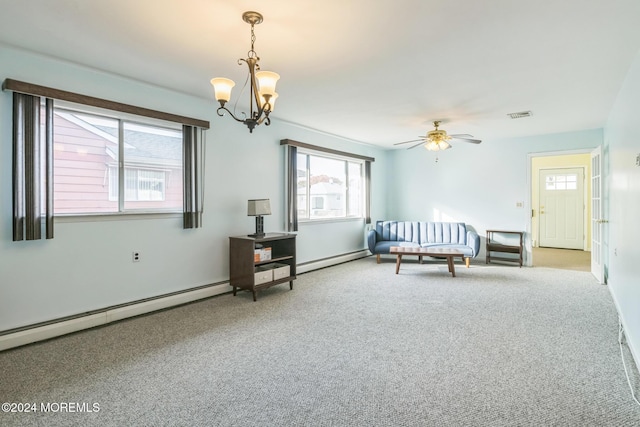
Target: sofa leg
(378,258)
(420,259)
(467,261)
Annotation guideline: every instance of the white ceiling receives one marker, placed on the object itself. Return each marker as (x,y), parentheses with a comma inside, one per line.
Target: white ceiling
(377,71)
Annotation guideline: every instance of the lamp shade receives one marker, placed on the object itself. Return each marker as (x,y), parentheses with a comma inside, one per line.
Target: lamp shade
(257,207)
(432,146)
(267,82)
(272,101)
(222,88)
(444,145)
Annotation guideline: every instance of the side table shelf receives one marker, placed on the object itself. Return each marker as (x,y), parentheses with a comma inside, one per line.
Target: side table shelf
(494,245)
(247,272)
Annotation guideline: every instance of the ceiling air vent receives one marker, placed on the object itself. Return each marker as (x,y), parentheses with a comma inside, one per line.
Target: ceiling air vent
(520,115)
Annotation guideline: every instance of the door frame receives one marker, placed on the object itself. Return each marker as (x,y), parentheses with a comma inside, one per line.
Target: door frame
(528,243)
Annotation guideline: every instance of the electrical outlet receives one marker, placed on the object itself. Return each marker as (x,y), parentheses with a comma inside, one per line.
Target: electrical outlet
(519,204)
(135,256)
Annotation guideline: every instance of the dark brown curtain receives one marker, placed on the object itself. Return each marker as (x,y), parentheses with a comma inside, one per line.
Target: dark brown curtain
(193,175)
(367,183)
(292,188)
(32,168)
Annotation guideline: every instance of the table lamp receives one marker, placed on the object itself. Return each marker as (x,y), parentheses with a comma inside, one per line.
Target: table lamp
(258,208)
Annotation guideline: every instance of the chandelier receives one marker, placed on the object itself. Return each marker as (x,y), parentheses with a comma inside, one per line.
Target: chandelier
(437,139)
(262,89)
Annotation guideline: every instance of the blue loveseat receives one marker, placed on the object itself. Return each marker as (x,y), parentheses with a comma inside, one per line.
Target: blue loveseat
(453,235)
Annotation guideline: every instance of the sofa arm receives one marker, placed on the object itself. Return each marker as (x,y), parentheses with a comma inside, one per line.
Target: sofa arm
(371,240)
(473,241)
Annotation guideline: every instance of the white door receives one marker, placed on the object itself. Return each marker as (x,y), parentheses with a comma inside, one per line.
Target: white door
(597,221)
(561,208)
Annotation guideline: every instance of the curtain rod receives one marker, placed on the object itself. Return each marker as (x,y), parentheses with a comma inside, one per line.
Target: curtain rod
(62,95)
(325,150)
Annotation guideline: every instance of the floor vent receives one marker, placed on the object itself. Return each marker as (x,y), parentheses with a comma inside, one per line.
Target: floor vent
(520,115)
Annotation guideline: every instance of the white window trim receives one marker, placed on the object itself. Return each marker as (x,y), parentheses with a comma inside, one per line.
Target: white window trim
(346,159)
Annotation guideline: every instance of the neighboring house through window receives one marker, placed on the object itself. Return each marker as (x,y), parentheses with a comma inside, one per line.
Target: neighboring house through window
(326,184)
(329,186)
(91,177)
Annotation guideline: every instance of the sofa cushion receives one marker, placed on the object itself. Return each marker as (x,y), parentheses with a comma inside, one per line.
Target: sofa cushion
(443,232)
(383,247)
(397,231)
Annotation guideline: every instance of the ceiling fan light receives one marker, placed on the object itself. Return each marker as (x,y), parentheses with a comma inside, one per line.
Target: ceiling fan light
(432,146)
(444,145)
(267,82)
(222,88)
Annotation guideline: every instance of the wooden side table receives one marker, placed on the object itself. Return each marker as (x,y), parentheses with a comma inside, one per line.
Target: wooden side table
(247,272)
(496,246)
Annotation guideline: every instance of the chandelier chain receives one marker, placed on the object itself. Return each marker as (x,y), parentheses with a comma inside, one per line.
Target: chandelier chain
(252,53)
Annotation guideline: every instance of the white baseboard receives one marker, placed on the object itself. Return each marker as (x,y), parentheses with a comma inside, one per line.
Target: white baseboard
(328,262)
(40,333)
(629,340)
(53,330)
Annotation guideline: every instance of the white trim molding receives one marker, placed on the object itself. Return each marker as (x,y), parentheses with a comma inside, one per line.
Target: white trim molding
(113,314)
(109,315)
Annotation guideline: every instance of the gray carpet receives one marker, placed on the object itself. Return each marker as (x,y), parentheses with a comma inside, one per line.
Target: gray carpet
(351,345)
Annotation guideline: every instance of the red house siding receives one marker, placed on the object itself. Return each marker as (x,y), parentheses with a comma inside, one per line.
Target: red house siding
(81,173)
(81,180)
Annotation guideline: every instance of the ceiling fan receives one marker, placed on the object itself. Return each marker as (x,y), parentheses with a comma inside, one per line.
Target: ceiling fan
(438,139)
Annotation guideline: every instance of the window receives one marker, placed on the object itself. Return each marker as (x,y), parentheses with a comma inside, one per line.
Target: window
(317,202)
(108,164)
(329,186)
(346,184)
(562,182)
(80,151)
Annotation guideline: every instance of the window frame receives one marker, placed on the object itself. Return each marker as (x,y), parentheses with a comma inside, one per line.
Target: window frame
(308,152)
(291,155)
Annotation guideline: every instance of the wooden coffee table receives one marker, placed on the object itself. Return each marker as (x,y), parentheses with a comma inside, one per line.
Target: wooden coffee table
(449,254)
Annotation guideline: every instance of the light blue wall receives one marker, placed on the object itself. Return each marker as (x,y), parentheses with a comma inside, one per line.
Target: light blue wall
(623,146)
(87,266)
(476,184)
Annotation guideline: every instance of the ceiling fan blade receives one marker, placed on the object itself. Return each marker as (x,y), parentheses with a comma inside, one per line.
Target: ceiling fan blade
(473,141)
(461,135)
(414,146)
(406,142)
